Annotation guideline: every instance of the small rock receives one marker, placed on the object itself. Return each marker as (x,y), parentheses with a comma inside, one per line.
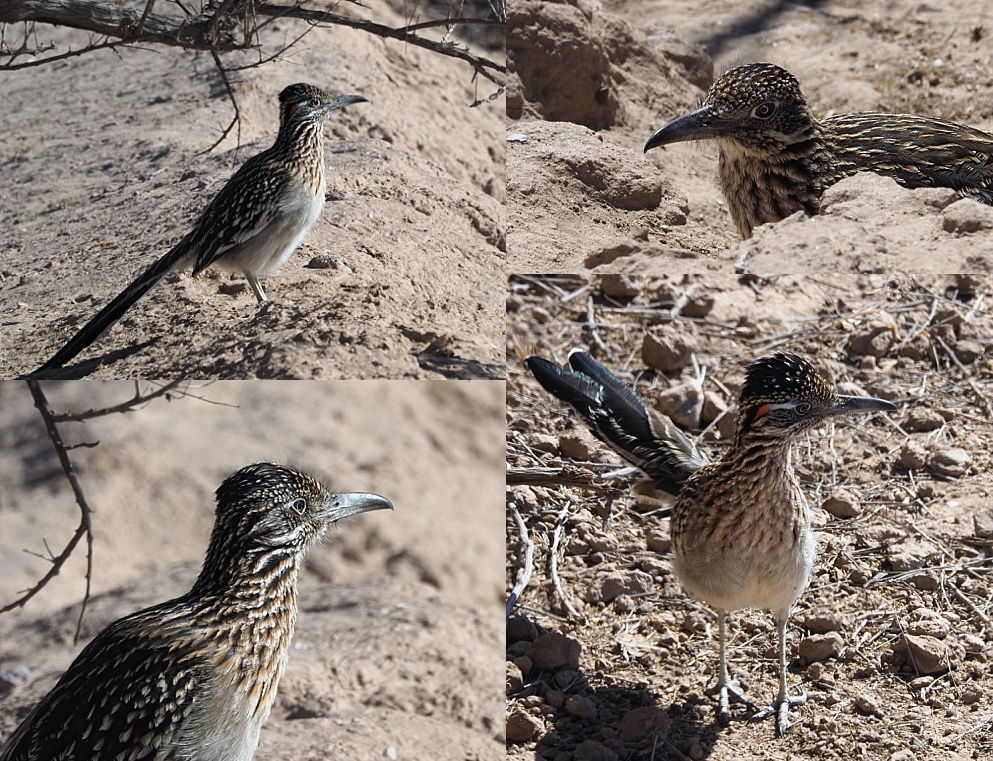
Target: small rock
(819,647)
(579,445)
(327,262)
(913,455)
(640,724)
(822,621)
(611,586)
(683,403)
(591,750)
(872,341)
(968,352)
(971,694)
(982,523)
(926,655)
(552,651)
(901,560)
(520,627)
(658,539)
(868,705)
(923,419)
(903,755)
(842,504)
(581,706)
(928,622)
(698,305)
(555,698)
(515,679)
(966,216)
(948,461)
(621,286)
(667,351)
(522,726)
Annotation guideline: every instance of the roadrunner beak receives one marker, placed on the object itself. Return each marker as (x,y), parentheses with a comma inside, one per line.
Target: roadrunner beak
(696,125)
(848,405)
(346,504)
(346,100)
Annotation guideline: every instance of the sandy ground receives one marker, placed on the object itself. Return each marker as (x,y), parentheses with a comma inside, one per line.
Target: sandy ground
(398,641)
(595,79)
(892,639)
(105,168)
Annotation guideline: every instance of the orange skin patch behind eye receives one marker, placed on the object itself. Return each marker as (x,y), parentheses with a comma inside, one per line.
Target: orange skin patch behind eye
(763,410)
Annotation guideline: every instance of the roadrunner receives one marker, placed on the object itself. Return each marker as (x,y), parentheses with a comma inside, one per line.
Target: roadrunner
(257,219)
(776,159)
(195,677)
(741,534)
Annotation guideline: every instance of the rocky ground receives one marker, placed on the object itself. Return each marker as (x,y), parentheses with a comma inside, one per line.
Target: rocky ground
(609,659)
(397,648)
(595,79)
(106,165)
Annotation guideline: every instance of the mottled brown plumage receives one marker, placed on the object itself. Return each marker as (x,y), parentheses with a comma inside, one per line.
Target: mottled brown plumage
(256,220)
(776,159)
(195,677)
(741,532)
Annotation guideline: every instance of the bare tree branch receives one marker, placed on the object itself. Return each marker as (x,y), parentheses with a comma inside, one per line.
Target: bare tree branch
(84,529)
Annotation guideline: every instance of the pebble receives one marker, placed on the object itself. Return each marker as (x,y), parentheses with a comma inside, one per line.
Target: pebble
(552,651)
(582,707)
(948,461)
(621,286)
(640,724)
(667,351)
(522,726)
(819,647)
(842,504)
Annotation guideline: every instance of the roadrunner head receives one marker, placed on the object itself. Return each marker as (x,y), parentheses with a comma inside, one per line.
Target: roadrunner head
(757,108)
(783,396)
(274,509)
(309,104)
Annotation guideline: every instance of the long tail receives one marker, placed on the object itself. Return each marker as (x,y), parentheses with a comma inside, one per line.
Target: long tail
(622,419)
(111,313)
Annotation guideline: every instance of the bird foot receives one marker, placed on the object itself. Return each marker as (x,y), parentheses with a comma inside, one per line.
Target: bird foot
(728,690)
(780,709)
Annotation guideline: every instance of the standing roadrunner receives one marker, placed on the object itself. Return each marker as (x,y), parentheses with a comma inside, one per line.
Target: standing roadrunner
(195,677)
(775,159)
(741,534)
(257,219)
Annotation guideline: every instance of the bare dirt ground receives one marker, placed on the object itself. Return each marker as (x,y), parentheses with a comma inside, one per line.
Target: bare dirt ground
(891,641)
(604,75)
(398,640)
(105,168)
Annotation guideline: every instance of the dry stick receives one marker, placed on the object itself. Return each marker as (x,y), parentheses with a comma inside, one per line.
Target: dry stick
(564,476)
(525,573)
(127,406)
(969,604)
(553,562)
(591,325)
(84,528)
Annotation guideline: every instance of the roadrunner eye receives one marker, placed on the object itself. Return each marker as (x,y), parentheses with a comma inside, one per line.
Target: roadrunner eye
(299,506)
(802,409)
(764,110)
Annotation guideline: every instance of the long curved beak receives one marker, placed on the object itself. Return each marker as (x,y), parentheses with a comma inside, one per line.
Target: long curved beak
(848,405)
(692,126)
(345,504)
(346,100)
